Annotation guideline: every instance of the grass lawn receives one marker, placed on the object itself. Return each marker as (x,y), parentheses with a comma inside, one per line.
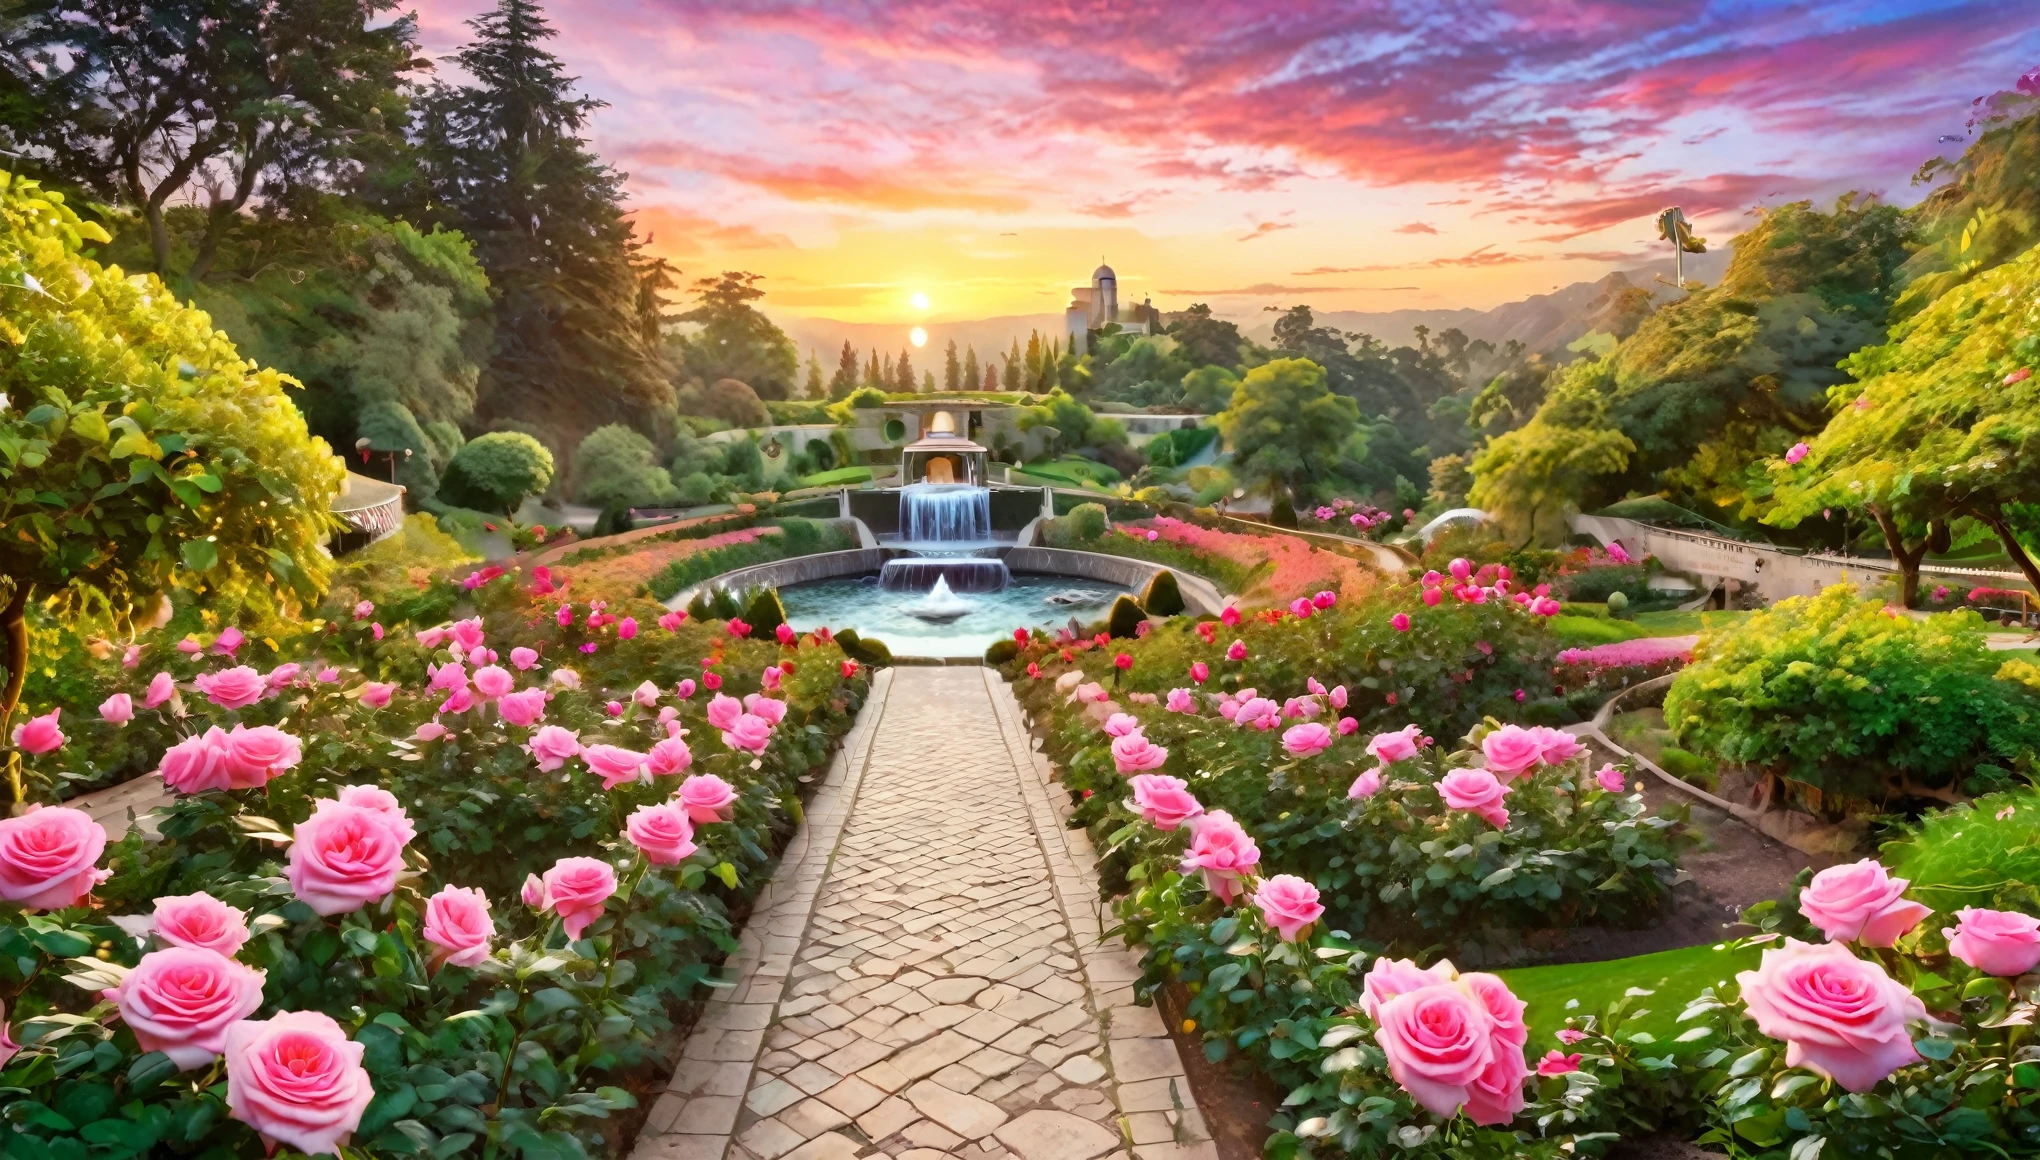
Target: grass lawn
(1576,631)
(1675,976)
(1674,623)
(856,474)
(1072,470)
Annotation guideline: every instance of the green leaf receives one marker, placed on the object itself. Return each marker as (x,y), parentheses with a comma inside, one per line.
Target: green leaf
(91,426)
(1807,1147)
(1934,1047)
(1787,1084)
(727,873)
(200,555)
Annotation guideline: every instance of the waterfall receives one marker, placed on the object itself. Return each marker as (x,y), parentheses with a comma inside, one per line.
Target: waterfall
(943,513)
(961,573)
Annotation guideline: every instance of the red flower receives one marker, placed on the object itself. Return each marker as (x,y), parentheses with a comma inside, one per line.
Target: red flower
(1122,662)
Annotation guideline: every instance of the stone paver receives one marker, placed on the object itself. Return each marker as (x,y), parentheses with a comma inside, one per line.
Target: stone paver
(931,958)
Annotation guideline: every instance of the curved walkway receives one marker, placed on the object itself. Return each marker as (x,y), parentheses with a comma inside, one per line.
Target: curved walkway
(927,977)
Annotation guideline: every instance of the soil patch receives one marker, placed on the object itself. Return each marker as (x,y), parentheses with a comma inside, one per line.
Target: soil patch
(1236,1100)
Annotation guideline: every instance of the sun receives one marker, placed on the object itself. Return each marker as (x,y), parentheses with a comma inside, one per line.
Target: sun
(919,300)
(918,337)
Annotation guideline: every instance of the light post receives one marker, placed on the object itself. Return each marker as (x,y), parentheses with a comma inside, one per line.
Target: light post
(1674,228)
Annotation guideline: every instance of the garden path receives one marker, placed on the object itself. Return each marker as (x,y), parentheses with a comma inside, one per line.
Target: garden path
(927,976)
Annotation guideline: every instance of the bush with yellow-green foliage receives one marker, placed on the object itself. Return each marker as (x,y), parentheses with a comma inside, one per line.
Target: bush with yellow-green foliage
(1845,701)
(141,452)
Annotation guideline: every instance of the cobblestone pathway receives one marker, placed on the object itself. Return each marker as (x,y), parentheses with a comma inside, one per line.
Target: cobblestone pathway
(925,977)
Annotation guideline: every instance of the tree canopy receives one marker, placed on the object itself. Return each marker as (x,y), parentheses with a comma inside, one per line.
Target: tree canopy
(736,340)
(1286,428)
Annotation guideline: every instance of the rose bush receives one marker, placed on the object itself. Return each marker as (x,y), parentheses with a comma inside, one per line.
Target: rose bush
(337,881)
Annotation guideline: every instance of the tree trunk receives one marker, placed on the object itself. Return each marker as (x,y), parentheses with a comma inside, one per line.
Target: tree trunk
(223,211)
(1908,558)
(14,627)
(1995,517)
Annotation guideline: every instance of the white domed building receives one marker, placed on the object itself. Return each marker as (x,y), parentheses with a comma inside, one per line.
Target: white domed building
(1096,306)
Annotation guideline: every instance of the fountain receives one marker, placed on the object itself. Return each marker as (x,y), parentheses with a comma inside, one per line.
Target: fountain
(945,521)
(940,606)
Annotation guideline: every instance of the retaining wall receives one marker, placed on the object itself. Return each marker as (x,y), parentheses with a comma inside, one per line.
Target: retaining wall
(1200,596)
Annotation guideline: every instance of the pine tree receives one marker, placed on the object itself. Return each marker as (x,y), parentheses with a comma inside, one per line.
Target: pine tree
(1013,368)
(845,380)
(903,374)
(502,160)
(886,377)
(928,382)
(991,378)
(952,370)
(1033,363)
(816,389)
(871,373)
(970,368)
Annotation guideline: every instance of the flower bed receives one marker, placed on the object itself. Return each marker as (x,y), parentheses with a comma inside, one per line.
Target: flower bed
(457,881)
(1243,562)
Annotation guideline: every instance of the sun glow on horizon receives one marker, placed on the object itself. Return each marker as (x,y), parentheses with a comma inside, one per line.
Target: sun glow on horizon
(918,337)
(920,300)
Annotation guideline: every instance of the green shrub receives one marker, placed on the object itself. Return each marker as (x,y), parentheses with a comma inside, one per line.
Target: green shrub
(614,467)
(1001,651)
(695,489)
(613,520)
(497,472)
(1840,697)
(1123,622)
(390,428)
(765,613)
(798,537)
(715,603)
(1282,509)
(1086,522)
(1983,853)
(869,650)
(1688,766)
(743,462)
(1617,604)
(1162,596)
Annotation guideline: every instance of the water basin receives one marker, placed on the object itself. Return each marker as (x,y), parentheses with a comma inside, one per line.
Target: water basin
(859,603)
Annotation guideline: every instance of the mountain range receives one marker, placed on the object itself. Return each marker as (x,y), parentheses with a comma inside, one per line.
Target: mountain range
(1541,322)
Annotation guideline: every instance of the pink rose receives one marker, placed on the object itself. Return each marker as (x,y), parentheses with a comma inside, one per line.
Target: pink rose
(382,801)
(202,922)
(772,678)
(189,646)
(576,888)
(662,833)
(468,633)
(258,754)
(751,734)
(711,681)
(327,676)
(492,681)
(296,1080)
(1090,692)
(708,798)
(48,857)
(376,694)
(1476,791)
(1860,903)
(615,765)
(685,689)
(1555,746)
(523,658)
(1569,1036)
(457,922)
(672,621)
(670,756)
(1400,622)
(1133,753)
(39,734)
(181,1001)
(1510,751)
(430,731)
(430,638)
(1348,726)
(161,688)
(282,675)
(344,857)
(552,746)
(1288,904)
(232,688)
(1252,709)
(229,639)
(1437,1043)
(773,711)
(1365,786)
(1432,596)
(451,677)
(1182,701)
(626,628)
(118,709)
(1325,599)
(1121,724)
(1165,801)
(1609,778)
(534,893)
(131,657)
(522,709)
(1200,672)
(1996,942)
(458,701)
(1388,978)
(1223,853)
(646,695)
(364,609)
(1237,651)
(1307,740)
(723,710)
(1796,453)
(198,763)
(1838,1015)
(1556,1062)
(1401,745)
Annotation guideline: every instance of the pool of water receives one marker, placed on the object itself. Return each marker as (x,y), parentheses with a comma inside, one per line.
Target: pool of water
(859,603)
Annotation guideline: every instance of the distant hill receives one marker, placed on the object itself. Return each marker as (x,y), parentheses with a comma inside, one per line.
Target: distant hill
(1542,322)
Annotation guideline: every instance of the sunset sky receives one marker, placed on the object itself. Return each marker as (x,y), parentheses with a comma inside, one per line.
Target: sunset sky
(1365,156)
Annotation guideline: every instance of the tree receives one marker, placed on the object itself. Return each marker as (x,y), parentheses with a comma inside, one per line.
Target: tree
(1209,388)
(614,467)
(142,101)
(728,400)
(1068,425)
(139,451)
(497,472)
(991,382)
(845,379)
(927,382)
(736,341)
(873,377)
(1205,340)
(1944,419)
(815,389)
(952,370)
(971,377)
(1528,478)
(1286,428)
(1013,369)
(502,160)
(903,374)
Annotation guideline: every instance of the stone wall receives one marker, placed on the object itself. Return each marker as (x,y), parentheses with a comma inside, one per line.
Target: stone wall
(1200,596)
(781,573)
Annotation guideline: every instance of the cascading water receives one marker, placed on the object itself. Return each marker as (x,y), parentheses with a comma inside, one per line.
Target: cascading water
(943,525)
